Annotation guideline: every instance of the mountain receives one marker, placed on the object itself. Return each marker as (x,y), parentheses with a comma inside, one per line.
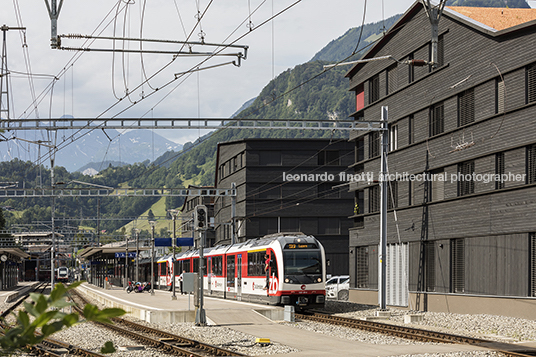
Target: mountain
(96,146)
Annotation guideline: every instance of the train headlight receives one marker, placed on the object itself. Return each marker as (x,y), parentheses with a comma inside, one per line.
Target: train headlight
(319,279)
(286,280)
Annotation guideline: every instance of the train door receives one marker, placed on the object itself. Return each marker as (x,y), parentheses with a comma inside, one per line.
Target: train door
(230,274)
(239,277)
(273,282)
(209,274)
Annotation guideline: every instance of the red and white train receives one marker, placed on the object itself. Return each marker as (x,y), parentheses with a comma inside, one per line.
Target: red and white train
(296,274)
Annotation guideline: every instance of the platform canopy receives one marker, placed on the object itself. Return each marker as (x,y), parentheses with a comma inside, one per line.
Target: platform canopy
(91,251)
(14,251)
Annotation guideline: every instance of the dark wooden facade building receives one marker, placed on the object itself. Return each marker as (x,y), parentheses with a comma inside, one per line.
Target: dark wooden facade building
(187,217)
(466,238)
(270,201)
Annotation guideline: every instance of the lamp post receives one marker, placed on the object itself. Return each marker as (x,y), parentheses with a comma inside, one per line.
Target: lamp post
(173,240)
(152,256)
(137,254)
(126,262)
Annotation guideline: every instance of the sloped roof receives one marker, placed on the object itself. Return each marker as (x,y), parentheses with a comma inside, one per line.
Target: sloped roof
(499,18)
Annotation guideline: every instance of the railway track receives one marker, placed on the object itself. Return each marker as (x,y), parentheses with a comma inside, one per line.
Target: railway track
(164,341)
(418,334)
(49,347)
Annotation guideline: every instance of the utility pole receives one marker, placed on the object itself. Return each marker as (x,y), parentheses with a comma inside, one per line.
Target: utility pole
(53,208)
(233,215)
(200,225)
(383,209)
(4,72)
(126,262)
(53,13)
(152,256)
(173,241)
(434,14)
(137,254)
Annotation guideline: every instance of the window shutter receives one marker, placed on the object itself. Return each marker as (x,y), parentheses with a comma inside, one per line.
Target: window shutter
(466,107)
(531,83)
(500,96)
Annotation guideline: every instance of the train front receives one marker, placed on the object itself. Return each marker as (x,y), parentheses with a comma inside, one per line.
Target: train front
(303,273)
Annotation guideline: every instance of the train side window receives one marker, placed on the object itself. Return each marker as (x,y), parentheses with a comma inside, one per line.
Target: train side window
(217,268)
(231,271)
(186,265)
(256,263)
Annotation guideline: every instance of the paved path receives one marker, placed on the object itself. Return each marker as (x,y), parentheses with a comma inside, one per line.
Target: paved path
(241,317)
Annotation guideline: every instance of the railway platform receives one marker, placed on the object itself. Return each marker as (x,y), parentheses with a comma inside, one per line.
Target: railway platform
(250,318)
(11,294)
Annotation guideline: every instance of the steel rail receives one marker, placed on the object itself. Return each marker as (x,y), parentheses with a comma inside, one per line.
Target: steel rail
(167,341)
(419,334)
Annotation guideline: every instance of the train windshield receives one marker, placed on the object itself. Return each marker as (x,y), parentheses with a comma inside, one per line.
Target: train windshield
(302,267)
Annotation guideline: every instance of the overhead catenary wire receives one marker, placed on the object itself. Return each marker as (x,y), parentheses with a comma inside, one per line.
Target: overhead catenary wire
(72,138)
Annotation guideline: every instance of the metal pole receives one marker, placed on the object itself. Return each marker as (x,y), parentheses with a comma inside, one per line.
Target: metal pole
(152,258)
(233,215)
(137,255)
(200,317)
(126,262)
(383,210)
(53,208)
(173,296)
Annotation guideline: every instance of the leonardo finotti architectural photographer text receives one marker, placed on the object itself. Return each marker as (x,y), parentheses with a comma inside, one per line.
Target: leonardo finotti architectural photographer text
(372,177)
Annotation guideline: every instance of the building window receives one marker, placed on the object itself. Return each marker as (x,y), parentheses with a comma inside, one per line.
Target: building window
(436,119)
(532,250)
(392,195)
(374,199)
(374,89)
(328,158)
(499,170)
(360,149)
(393,137)
(500,95)
(437,185)
(361,263)
(411,129)
(466,184)
(391,80)
(429,266)
(457,265)
(466,107)
(531,164)
(411,70)
(359,97)
(531,83)
(374,144)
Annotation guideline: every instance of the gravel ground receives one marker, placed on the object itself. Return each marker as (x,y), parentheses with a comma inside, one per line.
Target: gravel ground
(489,327)
(498,328)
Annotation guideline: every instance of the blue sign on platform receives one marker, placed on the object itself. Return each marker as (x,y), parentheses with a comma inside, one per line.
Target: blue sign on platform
(162,242)
(185,242)
(166,242)
(122,255)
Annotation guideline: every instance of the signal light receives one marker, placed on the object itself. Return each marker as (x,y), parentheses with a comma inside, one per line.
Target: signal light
(200,218)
